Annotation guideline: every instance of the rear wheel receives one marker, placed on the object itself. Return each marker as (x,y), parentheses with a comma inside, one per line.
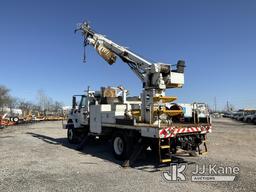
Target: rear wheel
(121,146)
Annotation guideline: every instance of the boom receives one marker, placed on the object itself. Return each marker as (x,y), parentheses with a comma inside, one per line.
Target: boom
(153,75)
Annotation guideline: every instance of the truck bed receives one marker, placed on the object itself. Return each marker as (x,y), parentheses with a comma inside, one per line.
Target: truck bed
(164,131)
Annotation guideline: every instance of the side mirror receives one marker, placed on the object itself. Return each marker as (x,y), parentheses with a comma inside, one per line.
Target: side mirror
(73,102)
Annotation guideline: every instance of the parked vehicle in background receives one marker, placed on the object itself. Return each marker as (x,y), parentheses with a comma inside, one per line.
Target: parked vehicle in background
(249,117)
(201,109)
(234,115)
(216,115)
(238,115)
(227,114)
(12,117)
(245,115)
(254,119)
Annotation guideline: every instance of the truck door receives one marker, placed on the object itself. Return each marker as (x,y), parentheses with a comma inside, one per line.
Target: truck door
(83,111)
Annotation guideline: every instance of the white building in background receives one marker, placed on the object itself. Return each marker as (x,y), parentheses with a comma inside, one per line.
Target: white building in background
(66,109)
(13,111)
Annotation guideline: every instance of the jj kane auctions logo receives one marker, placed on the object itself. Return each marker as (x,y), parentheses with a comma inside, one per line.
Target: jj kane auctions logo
(177,172)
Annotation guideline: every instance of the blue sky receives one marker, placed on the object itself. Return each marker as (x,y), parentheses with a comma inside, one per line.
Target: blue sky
(216,38)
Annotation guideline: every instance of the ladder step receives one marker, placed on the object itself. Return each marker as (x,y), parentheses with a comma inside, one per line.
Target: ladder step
(165,147)
(165,160)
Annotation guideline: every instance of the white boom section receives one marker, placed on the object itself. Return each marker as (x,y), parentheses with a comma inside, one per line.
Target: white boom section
(141,65)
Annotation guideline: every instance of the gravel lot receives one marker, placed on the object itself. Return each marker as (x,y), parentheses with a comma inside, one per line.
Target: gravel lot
(37,157)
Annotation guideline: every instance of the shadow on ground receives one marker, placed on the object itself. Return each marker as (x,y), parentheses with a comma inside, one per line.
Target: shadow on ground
(147,161)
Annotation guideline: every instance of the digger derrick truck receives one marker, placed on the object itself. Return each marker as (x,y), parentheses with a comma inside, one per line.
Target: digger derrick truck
(151,120)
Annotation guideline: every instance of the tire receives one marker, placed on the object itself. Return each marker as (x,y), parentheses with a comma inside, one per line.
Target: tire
(15,119)
(72,135)
(254,121)
(121,146)
(248,120)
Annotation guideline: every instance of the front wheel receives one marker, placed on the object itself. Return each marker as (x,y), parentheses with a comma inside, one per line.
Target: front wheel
(72,136)
(121,146)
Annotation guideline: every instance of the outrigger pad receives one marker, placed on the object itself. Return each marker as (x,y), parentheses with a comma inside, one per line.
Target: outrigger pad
(205,149)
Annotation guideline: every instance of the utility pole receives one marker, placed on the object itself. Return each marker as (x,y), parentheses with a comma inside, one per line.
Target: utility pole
(228,106)
(215,104)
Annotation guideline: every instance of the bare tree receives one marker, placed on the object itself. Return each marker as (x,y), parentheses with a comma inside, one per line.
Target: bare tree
(25,106)
(44,103)
(57,107)
(43,100)
(47,104)
(5,98)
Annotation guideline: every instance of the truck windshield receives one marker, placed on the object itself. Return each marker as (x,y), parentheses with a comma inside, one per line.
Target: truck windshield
(82,102)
